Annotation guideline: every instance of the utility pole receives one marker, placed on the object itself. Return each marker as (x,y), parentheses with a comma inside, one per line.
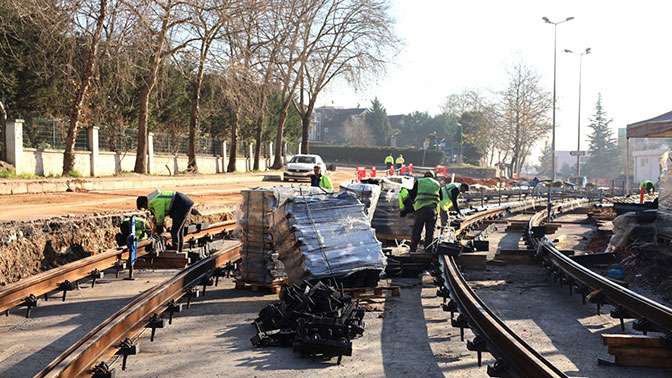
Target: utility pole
(555,61)
(578,127)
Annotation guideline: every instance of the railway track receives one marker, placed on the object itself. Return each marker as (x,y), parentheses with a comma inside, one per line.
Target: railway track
(514,357)
(118,334)
(26,292)
(650,315)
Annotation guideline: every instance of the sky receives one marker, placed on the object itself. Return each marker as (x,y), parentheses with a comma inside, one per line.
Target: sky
(449,46)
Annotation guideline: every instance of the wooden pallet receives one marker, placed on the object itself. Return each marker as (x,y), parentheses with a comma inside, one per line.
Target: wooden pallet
(373,292)
(275,287)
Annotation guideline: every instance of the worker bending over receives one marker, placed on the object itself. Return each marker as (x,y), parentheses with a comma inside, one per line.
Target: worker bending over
(320,180)
(425,196)
(647,186)
(176,205)
(449,194)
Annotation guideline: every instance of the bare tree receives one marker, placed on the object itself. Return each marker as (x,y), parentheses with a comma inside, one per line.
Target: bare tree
(348,38)
(524,106)
(158,21)
(99,14)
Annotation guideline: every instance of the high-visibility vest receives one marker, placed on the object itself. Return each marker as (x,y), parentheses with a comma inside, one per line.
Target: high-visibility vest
(446,203)
(428,193)
(647,185)
(389,160)
(403,194)
(159,205)
(400,160)
(325,183)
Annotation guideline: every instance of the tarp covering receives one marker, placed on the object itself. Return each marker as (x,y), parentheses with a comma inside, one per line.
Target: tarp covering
(367,194)
(386,219)
(325,236)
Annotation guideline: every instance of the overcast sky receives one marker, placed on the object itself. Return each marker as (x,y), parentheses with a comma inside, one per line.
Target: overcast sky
(452,45)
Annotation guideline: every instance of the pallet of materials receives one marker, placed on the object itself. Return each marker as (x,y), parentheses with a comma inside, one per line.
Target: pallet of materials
(259,259)
(327,236)
(387,221)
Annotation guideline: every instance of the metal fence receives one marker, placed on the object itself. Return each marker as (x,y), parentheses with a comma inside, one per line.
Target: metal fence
(117,140)
(179,144)
(43,133)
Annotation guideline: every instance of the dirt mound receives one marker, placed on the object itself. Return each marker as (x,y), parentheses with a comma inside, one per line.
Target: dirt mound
(650,265)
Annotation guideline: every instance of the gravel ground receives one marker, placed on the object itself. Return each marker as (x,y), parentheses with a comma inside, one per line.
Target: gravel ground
(28,345)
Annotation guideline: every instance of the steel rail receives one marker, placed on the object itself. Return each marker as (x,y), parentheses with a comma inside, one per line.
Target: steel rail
(102,342)
(514,357)
(15,294)
(635,305)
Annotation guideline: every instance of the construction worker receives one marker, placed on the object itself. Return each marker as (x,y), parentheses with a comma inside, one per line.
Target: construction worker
(389,160)
(174,204)
(320,180)
(400,160)
(426,195)
(647,186)
(449,194)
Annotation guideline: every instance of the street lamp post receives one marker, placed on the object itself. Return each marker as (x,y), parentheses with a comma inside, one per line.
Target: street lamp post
(578,125)
(555,61)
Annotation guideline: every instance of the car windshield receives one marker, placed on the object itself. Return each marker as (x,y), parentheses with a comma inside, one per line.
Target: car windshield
(303,159)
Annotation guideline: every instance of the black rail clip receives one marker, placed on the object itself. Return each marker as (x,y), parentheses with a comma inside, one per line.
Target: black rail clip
(96,275)
(498,369)
(190,293)
(30,302)
(461,323)
(451,307)
(155,321)
(172,308)
(443,292)
(478,345)
(205,282)
(66,286)
(127,348)
(103,370)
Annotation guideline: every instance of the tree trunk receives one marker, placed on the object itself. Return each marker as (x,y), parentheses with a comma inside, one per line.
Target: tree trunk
(234,144)
(258,142)
(279,137)
(141,150)
(76,109)
(192,166)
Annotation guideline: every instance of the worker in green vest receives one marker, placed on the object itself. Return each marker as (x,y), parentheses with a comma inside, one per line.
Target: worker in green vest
(398,162)
(389,160)
(449,194)
(648,186)
(426,195)
(176,205)
(320,180)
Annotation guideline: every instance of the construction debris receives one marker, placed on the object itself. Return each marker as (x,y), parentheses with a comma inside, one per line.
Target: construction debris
(259,259)
(327,236)
(314,320)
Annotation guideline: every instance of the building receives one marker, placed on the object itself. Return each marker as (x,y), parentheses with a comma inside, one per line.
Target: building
(645,142)
(329,123)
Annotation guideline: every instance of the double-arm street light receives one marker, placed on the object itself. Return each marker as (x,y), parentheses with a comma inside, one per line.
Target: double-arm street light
(555,61)
(578,125)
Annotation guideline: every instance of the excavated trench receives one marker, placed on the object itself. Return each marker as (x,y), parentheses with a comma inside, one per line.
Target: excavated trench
(27,248)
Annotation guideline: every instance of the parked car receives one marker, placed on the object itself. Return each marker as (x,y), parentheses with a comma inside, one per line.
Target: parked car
(300,167)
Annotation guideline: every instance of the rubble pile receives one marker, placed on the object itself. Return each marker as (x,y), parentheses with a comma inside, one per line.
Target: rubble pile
(327,236)
(259,259)
(314,320)
(386,219)
(650,265)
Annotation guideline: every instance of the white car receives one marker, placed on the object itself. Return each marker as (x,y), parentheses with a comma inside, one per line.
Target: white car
(300,167)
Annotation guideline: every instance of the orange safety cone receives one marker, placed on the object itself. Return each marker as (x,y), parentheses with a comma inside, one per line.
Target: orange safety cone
(403,169)
(641,196)
(373,171)
(391,171)
(410,168)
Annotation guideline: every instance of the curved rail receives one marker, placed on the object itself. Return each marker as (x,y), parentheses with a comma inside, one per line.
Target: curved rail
(630,304)
(515,358)
(106,339)
(31,288)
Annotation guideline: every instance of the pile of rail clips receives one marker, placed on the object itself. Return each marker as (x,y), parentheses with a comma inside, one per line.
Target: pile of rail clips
(316,320)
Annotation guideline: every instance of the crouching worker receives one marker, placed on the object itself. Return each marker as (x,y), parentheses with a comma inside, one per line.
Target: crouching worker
(176,205)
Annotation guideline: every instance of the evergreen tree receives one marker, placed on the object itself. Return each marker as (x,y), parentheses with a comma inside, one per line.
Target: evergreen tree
(545,160)
(602,158)
(376,119)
